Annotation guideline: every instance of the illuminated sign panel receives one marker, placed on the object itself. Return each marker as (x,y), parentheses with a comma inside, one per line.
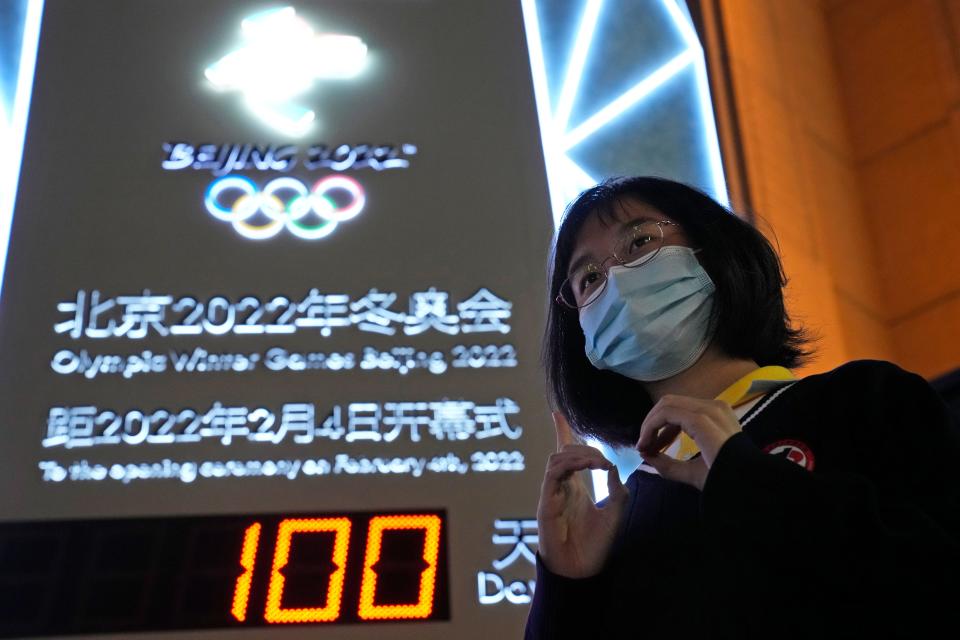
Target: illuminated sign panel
(289,261)
(219,310)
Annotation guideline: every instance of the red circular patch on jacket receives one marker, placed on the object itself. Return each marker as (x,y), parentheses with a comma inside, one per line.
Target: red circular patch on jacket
(794,451)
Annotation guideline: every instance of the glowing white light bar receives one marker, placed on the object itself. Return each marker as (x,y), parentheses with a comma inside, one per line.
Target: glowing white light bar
(578,57)
(541,92)
(687,32)
(632,96)
(281,58)
(710,140)
(14,129)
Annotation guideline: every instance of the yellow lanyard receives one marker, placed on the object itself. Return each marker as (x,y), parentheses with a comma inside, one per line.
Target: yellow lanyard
(756,383)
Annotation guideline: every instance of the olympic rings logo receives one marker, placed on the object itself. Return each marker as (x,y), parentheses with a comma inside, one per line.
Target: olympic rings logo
(285,202)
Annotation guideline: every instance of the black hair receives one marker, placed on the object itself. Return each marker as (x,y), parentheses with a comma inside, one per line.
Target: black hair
(749,319)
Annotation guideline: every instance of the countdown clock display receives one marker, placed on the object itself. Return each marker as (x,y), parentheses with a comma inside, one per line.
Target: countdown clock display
(66,577)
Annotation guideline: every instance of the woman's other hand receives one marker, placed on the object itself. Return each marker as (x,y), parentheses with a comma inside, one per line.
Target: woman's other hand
(575,533)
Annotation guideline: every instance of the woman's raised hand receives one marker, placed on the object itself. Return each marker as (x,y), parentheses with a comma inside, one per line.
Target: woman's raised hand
(576,534)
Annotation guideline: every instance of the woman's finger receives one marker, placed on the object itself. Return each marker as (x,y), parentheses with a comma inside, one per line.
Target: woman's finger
(709,423)
(576,451)
(556,461)
(692,472)
(561,467)
(615,487)
(566,457)
(659,430)
(662,439)
(672,409)
(565,433)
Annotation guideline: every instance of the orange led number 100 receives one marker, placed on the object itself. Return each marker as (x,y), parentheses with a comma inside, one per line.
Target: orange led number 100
(340,527)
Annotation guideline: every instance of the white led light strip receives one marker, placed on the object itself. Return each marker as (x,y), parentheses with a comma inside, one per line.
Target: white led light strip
(13,126)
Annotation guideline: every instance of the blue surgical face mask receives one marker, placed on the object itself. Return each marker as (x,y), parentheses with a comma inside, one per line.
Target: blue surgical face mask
(651,322)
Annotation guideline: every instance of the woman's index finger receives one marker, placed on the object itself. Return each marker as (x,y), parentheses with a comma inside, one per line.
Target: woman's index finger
(565,433)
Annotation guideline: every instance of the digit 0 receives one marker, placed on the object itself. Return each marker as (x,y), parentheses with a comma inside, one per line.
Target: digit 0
(331,610)
(423,607)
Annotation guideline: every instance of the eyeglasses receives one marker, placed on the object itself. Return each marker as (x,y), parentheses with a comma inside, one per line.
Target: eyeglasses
(636,246)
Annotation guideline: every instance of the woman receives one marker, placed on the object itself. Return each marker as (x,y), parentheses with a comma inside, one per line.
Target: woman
(766,506)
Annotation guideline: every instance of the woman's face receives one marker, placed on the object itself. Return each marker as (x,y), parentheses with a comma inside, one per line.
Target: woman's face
(597,238)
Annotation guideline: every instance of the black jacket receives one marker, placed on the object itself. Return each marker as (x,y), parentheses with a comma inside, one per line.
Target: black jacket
(866,544)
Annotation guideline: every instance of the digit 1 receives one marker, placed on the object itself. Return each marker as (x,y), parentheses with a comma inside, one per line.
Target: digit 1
(248,555)
(423,607)
(331,610)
